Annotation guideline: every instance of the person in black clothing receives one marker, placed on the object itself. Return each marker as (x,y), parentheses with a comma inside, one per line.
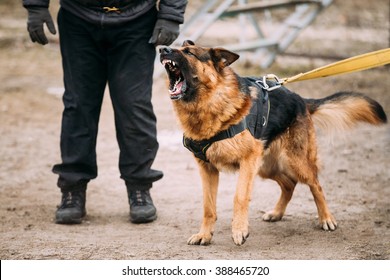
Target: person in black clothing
(107,42)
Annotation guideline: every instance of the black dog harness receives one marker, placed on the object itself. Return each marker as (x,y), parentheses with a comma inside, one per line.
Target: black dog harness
(256,121)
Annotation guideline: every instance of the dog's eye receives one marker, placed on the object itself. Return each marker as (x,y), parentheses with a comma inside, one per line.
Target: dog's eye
(187,51)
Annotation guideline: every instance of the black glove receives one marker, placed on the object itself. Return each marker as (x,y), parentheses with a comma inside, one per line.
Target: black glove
(165,32)
(37,16)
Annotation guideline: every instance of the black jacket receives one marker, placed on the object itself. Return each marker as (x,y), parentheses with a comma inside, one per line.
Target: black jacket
(93,10)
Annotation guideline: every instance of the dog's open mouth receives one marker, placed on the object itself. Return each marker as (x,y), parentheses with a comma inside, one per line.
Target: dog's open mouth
(177,83)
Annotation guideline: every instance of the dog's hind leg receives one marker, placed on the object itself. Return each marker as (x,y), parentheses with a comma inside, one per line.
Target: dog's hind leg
(287,186)
(210,179)
(327,221)
(304,165)
(307,172)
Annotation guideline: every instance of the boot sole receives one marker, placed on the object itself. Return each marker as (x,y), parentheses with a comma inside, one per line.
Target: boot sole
(143,220)
(70,220)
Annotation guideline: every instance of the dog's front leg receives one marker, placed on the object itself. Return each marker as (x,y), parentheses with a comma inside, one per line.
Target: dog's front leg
(210,178)
(240,223)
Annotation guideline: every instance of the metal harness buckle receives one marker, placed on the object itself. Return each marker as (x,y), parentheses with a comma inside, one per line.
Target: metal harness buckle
(264,85)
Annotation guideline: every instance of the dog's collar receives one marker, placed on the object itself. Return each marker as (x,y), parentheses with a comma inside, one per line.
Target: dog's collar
(255,121)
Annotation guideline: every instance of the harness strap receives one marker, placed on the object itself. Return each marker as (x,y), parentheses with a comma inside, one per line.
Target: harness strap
(199,148)
(257,119)
(256,122)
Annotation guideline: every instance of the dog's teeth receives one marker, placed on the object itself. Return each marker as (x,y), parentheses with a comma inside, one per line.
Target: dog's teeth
(177,82)
(173,63)
(165,61)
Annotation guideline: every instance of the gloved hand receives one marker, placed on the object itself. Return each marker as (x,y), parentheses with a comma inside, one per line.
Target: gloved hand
(165,32)
(37,16)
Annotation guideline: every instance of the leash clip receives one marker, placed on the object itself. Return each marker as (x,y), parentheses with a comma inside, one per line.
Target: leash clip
(264,85)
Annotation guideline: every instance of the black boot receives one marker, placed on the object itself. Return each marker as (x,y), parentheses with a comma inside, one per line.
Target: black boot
(142,209)
(72,207)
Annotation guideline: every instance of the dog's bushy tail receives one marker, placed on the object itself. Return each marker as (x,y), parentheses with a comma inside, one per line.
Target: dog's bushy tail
(343,110)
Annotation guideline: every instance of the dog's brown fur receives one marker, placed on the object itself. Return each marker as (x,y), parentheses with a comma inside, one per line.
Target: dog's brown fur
(217,103)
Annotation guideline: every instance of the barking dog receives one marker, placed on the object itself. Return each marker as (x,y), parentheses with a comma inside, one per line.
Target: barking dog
(233,123)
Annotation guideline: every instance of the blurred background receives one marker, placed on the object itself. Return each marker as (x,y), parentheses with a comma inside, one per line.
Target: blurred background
(340,30)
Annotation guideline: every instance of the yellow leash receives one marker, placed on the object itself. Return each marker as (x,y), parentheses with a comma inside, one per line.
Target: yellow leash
(353,64)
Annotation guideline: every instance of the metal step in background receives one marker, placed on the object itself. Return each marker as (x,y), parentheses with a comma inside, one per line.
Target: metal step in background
(246,14)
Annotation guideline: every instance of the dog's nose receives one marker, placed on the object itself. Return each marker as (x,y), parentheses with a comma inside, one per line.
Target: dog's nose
(165,50)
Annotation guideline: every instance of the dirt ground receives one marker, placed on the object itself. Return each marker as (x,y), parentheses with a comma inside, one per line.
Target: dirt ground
(355,174)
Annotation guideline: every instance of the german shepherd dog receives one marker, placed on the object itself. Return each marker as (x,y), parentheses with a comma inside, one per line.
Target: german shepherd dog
(210,98)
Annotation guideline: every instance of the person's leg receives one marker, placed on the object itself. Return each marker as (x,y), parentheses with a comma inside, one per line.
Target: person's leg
(85,77)
(130,78)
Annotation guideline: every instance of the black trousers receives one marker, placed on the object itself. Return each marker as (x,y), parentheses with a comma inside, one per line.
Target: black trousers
(121,56)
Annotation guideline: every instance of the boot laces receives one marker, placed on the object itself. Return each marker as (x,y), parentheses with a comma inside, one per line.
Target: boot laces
(139,197)
(71,199)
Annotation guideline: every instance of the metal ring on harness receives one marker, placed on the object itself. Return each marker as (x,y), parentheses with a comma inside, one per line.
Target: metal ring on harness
(264,85)
(264,121)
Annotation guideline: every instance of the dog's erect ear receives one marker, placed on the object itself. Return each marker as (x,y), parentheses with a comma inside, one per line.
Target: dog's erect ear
(222,57)
(188,43)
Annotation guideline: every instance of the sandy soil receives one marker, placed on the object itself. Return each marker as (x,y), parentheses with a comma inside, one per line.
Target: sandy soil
(355,174)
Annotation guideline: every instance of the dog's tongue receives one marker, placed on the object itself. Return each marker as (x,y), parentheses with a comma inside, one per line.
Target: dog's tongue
(178,88)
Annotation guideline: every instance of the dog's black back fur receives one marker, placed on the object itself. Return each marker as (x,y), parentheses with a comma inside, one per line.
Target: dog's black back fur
(285,107)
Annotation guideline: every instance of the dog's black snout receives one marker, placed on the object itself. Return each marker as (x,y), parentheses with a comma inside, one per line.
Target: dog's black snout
(165,50)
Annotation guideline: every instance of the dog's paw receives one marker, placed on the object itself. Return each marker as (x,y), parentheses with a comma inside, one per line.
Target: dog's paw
(200,239)
(239,237)
(271,216)
(329,224)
